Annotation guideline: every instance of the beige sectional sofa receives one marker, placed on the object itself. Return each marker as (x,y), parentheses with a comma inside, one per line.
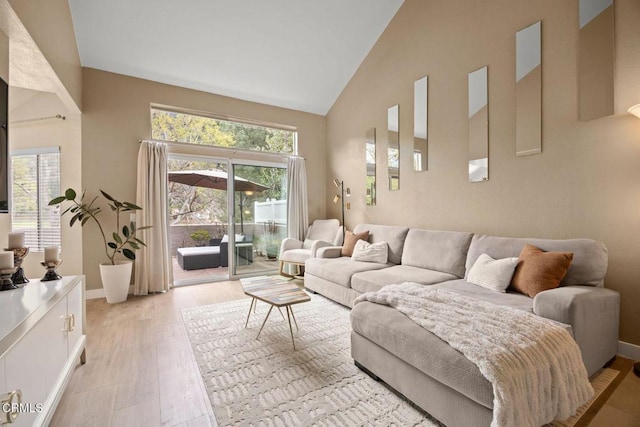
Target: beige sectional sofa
(419,365)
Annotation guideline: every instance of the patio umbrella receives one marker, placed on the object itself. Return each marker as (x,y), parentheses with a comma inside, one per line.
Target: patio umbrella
(213,179)
(216,179)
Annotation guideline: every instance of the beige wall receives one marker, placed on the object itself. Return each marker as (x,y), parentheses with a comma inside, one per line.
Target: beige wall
(117,114)
(586,182)
(50,25)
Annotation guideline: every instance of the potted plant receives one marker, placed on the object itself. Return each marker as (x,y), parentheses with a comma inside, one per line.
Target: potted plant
(271,240)
(116,274)
(201,237)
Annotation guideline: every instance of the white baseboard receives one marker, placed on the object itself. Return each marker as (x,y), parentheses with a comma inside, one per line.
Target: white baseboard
(629,350)
(99,293)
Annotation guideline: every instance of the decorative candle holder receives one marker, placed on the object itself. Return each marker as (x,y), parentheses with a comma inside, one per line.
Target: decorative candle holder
(5,279)
(18,255)
(51,273)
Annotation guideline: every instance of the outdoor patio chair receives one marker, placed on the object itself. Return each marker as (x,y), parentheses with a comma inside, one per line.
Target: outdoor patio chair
(244,250)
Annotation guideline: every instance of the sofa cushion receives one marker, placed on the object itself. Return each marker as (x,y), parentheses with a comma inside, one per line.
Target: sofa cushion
(401,336)
(339,270)
(298,256)
(511,299)
(372,281)
(199,250)
(393,235)
(395,332)
(437,250)
(539,271)
(589,265)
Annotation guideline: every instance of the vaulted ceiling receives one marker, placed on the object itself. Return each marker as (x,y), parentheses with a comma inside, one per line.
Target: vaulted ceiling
(297,54)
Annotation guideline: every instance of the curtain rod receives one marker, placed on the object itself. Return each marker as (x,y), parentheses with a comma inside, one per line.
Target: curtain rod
(35,119)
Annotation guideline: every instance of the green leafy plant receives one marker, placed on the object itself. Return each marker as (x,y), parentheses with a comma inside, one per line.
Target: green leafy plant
(201,237)
(124,240)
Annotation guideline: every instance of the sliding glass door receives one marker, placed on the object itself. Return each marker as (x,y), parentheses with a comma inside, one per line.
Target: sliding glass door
(227,218)
(198,217)
(259,216)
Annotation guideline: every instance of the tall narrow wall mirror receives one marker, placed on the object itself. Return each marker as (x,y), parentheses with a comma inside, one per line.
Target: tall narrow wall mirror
(420,122)
(478,125)
(393,147)
(529,90)
(596,59)
(370,155)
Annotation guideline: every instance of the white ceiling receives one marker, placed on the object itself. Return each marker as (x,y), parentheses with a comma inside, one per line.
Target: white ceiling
(296,54)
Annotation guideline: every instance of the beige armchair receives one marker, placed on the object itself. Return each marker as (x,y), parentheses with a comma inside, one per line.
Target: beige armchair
(323,232)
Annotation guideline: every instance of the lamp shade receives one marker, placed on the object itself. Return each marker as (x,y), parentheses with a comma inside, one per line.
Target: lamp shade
(635,110)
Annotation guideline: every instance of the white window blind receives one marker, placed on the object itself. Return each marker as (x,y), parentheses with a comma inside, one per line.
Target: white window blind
(35,181)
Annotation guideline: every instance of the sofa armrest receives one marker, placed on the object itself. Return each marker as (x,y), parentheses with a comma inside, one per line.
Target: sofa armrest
(288,244)
(592,312)
(318,244)
(329,252)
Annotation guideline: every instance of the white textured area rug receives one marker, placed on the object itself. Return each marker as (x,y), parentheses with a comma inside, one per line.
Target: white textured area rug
(266,382)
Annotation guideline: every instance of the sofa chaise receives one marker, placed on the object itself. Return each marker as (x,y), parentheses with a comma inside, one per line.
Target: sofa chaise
(216,254)
(420,366)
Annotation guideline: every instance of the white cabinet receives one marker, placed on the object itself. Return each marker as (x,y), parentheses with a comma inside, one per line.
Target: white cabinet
(47,340)
(75,308)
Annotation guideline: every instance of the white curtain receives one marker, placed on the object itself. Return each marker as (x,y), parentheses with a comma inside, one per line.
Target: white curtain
(297,209)
(153,268)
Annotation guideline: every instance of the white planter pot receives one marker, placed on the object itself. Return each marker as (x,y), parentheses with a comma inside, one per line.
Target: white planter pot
(115,280)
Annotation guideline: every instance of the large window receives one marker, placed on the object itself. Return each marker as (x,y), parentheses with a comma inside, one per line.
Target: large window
(192,128)
(35,181)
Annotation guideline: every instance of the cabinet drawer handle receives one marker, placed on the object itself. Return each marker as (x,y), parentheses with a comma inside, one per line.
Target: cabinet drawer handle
(69,322)
(10,403)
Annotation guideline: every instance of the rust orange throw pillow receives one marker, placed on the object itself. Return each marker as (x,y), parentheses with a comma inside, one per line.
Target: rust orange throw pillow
(350,240)
(539,271)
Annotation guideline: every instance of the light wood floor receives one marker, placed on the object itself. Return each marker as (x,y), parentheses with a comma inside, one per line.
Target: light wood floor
(141,371)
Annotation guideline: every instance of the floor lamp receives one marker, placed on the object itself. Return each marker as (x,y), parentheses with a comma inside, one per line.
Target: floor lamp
(635,110)
(343,193)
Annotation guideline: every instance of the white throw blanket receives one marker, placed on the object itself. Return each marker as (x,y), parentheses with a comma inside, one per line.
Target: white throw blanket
(534,365)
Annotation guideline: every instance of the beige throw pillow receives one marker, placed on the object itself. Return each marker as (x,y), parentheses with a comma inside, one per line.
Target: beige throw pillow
(350,240)
(494,274)
(371,252)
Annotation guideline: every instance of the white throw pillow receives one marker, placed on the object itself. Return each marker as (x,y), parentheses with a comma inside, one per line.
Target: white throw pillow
(370,252)
(239,237)
(494,274)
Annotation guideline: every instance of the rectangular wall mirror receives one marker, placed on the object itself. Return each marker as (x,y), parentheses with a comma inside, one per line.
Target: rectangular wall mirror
(393,147)
(370,155)
(596,59)
(478,125)
(529,90)
(420,121)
